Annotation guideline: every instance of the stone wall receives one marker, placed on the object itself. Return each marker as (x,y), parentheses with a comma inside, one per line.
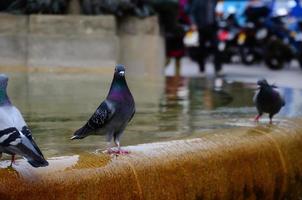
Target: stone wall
(80,41)
(13,40)
(72,41)
(140,45)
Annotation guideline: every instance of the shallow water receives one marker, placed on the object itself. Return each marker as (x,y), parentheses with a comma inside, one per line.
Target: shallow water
(55,105)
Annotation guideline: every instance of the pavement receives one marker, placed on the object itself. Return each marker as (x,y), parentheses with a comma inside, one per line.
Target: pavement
(290,76)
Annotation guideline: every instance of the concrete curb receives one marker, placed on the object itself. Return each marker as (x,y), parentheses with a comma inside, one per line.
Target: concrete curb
(263,162)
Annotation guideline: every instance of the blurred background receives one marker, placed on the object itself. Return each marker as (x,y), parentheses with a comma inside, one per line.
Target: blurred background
(192,65)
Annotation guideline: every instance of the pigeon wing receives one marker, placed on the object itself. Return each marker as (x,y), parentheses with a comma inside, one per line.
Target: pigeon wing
(101,116)
(27,133)
(278,97)
(9,136)
(99,119)
(15,142)
(283,101)
(132,115)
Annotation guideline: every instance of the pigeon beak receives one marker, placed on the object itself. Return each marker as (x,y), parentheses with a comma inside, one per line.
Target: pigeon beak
(122,73)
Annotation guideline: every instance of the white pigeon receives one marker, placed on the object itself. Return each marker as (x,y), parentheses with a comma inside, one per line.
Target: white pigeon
(15,136)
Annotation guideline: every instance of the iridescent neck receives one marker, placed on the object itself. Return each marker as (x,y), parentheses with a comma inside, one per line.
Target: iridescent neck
(118,83)
(119,88)
(4,100)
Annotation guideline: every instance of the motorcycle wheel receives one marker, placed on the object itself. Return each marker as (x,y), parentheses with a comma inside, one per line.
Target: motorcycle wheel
(274,63)
(300,61)
(247,56)
(277,54)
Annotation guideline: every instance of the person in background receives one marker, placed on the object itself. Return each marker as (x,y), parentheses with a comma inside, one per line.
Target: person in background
(171,18)
(183,17)
(203,19)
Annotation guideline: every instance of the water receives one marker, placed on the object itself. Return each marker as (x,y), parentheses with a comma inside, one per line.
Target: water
(56,104)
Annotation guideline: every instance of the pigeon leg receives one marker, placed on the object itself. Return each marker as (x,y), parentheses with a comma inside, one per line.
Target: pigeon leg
(120,151)
(109,149)
(109,146)
(12,160)
(257,118)
(271,119)
(0,155)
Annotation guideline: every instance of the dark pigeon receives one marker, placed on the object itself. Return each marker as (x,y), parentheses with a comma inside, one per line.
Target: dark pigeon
(114,113)
(267,100)
(15,136)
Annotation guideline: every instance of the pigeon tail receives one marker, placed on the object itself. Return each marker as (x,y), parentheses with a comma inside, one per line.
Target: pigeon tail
(81,133)
(26,131)
(30,152)
(283,102)
(41,162)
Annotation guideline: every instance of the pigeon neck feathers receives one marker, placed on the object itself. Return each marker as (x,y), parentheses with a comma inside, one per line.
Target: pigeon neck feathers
(4,100)
(119,88)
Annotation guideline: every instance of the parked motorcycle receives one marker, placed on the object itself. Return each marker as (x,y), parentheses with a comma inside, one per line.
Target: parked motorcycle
(251,41)
(254,33)
(278,50)
(285,44)
(227,34)
(296,42)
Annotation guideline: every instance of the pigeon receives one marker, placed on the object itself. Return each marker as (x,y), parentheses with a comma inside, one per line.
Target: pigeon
(113,115)
(15,136)
(267,100)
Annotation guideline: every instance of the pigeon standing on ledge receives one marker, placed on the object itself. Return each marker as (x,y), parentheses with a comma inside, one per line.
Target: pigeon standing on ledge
(267,100)
(15,136)
(114,113)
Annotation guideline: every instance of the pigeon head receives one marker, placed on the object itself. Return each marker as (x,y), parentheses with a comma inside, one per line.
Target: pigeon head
(3,85)
(262,83)
(119,71)
(119,80)
(119,88)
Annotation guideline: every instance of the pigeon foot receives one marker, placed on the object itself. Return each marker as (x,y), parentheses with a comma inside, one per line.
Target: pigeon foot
(123,152)
(257,118)
(12,160)
(117,151)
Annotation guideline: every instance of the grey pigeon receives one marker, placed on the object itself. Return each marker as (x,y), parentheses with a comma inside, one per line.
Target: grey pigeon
(15,136)
(267,100)
(114,113)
